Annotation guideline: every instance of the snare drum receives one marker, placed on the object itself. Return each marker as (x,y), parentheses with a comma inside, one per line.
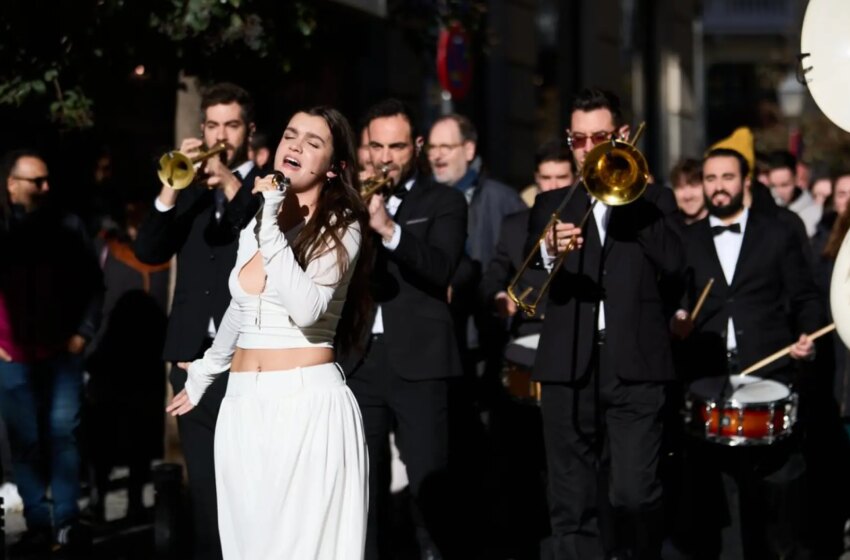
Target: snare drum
(738,410)
(519,361)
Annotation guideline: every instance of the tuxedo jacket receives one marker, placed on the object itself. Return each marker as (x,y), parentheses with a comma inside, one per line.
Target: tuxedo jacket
(411,284)
(206,253)
(636,273)
(772,298)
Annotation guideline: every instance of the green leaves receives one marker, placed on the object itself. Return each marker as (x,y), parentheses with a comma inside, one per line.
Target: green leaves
(116,34)
(73,110)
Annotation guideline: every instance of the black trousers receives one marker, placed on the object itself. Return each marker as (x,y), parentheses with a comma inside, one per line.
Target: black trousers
(746,502)
(603,440)
(418,413)
(197,438)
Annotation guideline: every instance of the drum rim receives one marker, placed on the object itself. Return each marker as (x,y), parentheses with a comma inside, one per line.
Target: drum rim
(735,403)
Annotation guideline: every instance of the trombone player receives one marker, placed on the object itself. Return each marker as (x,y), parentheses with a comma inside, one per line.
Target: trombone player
(604,353)
(201,224)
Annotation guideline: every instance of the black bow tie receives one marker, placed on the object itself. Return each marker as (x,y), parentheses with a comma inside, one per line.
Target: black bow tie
(734,228)
(400,191)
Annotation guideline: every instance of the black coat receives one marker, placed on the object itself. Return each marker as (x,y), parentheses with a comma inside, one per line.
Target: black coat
(772,299)
(411,285)
(636,274)
(206,253)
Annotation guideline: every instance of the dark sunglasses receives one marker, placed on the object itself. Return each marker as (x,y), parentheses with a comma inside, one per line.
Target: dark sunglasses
(579,140)
(37,181)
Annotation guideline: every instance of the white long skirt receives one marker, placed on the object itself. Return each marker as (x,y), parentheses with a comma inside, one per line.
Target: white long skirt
(291,467)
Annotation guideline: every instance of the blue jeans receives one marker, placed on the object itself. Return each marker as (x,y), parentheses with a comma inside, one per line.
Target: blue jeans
(40,403)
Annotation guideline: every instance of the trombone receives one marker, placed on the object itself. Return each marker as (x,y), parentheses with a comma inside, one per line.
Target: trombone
(375,184)
(177,170)
(614,172)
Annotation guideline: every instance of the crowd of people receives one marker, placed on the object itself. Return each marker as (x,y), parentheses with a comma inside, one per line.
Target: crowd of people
(314,334)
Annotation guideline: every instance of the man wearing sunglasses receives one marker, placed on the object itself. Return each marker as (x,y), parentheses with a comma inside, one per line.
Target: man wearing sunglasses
(604,355)
(51,293)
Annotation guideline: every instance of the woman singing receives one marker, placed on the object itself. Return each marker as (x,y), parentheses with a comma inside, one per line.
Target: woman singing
(290,456)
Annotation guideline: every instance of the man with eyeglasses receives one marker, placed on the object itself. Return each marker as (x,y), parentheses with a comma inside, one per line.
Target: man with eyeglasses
(451,149)
(604,355)
(51,291)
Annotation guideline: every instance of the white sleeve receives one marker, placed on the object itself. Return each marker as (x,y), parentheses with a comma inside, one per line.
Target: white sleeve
(160,206)
(392,244)
(217,358)
(548,260)
(304,293)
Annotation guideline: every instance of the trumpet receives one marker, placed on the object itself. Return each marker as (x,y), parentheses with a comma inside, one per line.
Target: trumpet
(615,173)
(177,170)
(376,184)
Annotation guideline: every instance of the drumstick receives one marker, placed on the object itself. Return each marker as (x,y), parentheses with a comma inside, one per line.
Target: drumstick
(785,351)
(701,299)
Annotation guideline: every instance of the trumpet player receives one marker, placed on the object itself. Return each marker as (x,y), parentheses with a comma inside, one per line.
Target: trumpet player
(604,356)
(201,225)
(400,373)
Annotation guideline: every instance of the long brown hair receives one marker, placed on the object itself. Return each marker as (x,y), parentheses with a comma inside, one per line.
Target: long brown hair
(836,235)
(338,207)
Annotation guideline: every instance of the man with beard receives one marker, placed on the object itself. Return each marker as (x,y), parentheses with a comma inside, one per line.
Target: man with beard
(201,225)
(762,287)
(400,374)
(51,292)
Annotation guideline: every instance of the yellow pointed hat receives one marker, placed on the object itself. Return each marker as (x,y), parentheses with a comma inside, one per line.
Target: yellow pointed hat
(743,142)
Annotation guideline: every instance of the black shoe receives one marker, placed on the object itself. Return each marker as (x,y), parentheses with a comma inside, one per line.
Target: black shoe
(35,543)
(72,539)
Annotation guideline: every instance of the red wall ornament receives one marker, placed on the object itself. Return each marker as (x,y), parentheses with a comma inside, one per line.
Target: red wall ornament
(454,60)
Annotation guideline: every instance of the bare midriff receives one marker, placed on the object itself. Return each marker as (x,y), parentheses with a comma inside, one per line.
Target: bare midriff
(278,359)
(252,279)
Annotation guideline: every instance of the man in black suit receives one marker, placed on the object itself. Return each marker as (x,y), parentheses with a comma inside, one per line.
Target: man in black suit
(201,226)
(604,356)
(400,380)
(763,299)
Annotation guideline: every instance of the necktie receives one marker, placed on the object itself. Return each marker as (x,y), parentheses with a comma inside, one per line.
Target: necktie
(734,228)
(221,199)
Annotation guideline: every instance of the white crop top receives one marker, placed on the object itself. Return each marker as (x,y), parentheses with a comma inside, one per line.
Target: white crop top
(297,308)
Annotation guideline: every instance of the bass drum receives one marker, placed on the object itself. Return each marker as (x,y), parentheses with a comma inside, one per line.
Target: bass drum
(516,374)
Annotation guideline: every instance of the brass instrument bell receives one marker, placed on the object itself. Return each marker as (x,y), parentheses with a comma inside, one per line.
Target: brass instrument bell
(614,172)
(177,170)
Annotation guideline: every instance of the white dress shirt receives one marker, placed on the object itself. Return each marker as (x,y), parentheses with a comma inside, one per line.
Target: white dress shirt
(393,203)
(601,215)
(728,247)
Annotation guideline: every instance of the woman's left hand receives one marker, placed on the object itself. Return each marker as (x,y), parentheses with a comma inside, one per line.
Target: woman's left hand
(180,404)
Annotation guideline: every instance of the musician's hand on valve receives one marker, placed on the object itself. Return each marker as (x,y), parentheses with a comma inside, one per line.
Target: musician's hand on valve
(220,176)
(681,324)
(803,348)
(191,147)
(379,219)
(558,242)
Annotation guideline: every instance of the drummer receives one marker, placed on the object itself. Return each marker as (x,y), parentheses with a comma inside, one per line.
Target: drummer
(762,287)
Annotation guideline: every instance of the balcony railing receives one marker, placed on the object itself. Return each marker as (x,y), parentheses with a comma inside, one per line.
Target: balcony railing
(751,17)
